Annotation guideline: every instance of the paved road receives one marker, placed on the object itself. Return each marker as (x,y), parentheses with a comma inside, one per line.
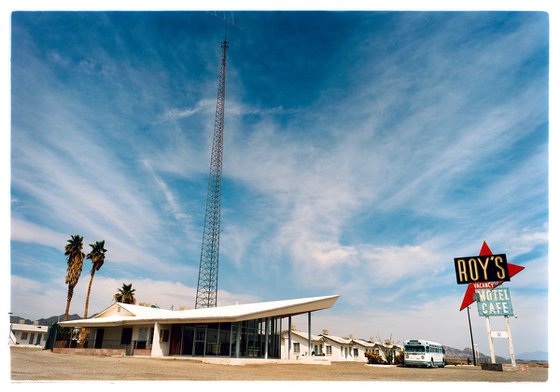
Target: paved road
(32,364)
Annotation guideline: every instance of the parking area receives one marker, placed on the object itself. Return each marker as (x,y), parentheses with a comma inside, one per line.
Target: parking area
(41,365)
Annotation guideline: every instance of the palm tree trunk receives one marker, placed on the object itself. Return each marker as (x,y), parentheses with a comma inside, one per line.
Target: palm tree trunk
(88,293)
(83,333)
(68,300)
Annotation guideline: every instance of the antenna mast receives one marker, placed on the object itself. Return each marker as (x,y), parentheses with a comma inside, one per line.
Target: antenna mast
(207,289)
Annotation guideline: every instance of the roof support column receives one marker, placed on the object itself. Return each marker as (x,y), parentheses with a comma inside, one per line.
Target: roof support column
(156,342)
(289,335)
(238,340)
(266,322)
(309,333)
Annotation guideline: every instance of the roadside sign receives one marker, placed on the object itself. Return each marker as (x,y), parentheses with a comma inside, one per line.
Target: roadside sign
(494,302)
(468,298)
(484,274)
(475,269)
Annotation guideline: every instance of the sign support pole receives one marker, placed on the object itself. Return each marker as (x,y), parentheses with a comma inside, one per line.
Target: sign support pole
(490,340)
(470,329)
(510,340)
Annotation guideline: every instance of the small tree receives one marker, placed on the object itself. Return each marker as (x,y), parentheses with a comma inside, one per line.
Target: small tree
(125,294)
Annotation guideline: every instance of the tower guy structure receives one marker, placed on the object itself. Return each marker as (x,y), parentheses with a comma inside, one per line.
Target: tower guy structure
(207,288)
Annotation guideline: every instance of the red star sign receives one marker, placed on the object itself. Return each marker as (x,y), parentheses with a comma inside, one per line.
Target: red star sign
(468,299)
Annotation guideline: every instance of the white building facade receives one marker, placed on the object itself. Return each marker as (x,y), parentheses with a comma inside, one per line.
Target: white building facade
(236,331)
(30,335)
(336,348)
(297,345)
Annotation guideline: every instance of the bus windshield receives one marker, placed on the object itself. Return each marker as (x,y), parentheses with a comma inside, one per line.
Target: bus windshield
(415,349)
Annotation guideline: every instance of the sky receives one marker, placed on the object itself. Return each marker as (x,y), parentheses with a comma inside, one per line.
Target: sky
(363,152)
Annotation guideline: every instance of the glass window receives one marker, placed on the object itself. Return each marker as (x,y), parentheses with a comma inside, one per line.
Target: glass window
(212,339)
(224,339)
(415,349)
(200,337)
(296,347)
(143,334)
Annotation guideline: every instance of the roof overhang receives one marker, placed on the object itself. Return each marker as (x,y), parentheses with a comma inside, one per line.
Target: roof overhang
(142,315)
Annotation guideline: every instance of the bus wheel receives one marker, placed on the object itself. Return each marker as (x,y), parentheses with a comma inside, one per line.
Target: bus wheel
(432,363)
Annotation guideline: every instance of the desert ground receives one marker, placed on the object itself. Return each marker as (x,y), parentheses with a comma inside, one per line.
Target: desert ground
(42,365)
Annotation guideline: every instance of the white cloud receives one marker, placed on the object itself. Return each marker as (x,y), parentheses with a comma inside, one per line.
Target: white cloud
(35,299)
(205,105)
(23,231)
(388,265)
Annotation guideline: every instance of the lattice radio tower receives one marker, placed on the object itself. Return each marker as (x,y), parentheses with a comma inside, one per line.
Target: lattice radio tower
(207,288)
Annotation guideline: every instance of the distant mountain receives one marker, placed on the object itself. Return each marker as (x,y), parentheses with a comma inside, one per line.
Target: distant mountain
(466,353)
(453,353)
(43,321)
(533,356)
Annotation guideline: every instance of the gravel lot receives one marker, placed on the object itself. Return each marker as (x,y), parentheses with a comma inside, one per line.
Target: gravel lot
(40,365)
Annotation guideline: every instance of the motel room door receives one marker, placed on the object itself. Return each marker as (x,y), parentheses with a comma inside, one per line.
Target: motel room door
(99,338)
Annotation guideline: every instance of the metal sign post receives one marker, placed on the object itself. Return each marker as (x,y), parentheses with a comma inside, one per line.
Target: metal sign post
(510,341)
(496,302)
(490,340)
(470,329)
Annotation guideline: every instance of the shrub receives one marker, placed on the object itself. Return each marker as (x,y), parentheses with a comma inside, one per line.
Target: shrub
(375,359)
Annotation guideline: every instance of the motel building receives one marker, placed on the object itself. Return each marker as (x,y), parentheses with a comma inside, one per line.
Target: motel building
(28,335)
(249,331)
(326,347)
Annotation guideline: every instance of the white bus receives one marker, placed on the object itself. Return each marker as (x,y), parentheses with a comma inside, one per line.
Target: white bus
(423,353)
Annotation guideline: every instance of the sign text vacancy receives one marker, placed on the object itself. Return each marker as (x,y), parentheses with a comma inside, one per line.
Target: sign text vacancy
(473,269)
(494,302)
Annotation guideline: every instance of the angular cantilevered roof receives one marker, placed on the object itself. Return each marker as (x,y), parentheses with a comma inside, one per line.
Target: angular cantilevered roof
(125,314)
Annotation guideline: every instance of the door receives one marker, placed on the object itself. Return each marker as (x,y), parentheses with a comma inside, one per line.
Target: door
(188,339)
(200,338)
(126,339)
(99,338)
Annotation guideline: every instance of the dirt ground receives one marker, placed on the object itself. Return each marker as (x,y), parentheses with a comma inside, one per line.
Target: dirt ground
(41,365)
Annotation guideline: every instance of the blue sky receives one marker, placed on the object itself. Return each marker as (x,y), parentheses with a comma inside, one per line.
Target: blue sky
(363,152)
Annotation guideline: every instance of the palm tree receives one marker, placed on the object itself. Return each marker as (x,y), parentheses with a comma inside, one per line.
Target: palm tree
(97,257)
(75,258)
(125,294)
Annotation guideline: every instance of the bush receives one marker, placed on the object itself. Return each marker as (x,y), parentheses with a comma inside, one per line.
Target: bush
(375,359)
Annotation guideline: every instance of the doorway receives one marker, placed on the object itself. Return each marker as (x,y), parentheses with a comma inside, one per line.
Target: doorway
(99,338)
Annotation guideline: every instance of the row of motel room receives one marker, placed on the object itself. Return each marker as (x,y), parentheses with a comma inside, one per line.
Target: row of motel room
(258,330)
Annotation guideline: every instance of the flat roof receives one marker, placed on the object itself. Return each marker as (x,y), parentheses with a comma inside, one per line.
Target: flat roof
(126,314)
(29,327)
